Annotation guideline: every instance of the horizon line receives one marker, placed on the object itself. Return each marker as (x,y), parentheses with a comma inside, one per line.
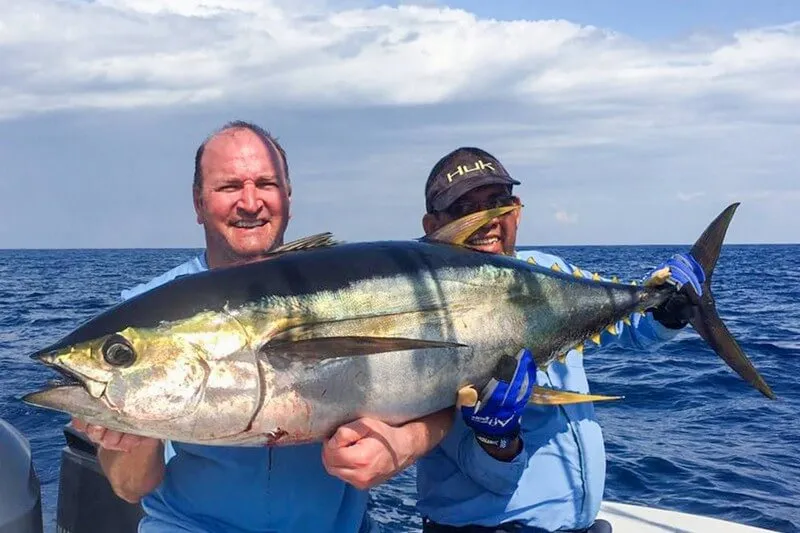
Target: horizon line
(519,247)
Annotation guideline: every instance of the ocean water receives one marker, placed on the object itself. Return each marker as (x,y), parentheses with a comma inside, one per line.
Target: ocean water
(689,436)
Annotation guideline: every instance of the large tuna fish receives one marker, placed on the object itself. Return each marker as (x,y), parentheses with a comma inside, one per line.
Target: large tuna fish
(287,349)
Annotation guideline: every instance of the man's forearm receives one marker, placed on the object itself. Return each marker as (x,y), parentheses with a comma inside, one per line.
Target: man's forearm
(425,433)
(135,473)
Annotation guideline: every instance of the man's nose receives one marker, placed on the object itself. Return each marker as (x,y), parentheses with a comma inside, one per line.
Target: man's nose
(491,224)
(249,200)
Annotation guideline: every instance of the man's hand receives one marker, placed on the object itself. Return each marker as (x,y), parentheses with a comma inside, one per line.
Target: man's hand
(134,465)
(107,438)
(367,452)
(687,276)
(496,417)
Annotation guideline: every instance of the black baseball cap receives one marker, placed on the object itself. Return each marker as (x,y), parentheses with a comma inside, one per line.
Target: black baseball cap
(459,172)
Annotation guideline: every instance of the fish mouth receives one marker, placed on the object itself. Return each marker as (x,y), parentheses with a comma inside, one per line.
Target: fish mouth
(71,399)
(70,377)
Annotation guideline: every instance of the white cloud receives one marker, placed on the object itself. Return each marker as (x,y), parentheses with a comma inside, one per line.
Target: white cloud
(689,196)
(129,53)
(563,217)
(646,141)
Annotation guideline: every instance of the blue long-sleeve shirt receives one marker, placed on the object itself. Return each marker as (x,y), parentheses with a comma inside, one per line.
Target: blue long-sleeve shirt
(248,489)
(557,480)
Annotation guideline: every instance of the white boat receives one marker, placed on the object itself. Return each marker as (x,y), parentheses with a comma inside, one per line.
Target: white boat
(626,518)
(81,478)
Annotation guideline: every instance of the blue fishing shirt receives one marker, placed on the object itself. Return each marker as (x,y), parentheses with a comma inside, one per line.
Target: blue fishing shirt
(248,489)
(557,480)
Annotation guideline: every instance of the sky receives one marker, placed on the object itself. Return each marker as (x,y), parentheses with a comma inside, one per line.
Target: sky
(627,122)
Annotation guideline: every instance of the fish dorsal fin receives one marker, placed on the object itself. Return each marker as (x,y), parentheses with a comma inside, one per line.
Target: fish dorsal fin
(320,240)
(458,231)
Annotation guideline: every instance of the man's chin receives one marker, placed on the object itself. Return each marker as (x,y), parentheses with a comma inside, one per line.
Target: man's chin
(252,249)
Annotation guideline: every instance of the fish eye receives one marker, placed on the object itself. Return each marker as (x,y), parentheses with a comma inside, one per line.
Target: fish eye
(118,352)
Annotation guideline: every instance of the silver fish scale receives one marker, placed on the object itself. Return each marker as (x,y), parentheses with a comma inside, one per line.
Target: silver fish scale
(492,311)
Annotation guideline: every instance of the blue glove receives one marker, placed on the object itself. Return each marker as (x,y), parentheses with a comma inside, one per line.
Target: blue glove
(687,276)
(495,418)
(685,270)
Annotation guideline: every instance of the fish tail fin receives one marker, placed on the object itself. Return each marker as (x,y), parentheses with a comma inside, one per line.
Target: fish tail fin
(705,319)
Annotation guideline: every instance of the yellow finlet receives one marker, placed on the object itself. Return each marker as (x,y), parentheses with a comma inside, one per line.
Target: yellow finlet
(634,283)
(555,267)
(596,339)
(458,231)
(659,277)
(562,358)
(531,260)
(577,273)
(615,279)
(548,396)
(612,328)
(596,276)
(627,321)
(579,349)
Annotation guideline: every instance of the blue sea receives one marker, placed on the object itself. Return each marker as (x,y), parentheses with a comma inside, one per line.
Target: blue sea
(689,435)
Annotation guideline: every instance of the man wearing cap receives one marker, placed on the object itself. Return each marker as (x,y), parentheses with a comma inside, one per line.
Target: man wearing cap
(506,465)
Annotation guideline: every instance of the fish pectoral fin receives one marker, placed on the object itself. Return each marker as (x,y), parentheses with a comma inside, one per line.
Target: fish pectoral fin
(458,231)
(320,240)
(548,396)
(320,348)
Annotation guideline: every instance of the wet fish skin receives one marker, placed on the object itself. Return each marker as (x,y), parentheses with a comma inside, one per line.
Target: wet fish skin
(215,378)
(285,350)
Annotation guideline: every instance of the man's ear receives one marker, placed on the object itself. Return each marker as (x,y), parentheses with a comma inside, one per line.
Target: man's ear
(287,187)
(517,213)
(197,199)
(430,223)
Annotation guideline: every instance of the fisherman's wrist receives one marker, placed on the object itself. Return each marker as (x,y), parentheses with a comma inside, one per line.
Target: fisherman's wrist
(500,442)
(502,447)
(505,446)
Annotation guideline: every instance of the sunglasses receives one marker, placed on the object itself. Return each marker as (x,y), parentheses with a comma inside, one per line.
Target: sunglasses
(462,209)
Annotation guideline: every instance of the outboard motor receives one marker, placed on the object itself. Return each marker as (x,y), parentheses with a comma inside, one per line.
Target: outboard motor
(20,494)
(86,501)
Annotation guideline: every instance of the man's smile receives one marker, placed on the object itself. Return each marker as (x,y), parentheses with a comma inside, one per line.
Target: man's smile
(249,224)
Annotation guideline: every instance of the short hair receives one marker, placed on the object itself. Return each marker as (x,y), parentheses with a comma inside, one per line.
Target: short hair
(266,137)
